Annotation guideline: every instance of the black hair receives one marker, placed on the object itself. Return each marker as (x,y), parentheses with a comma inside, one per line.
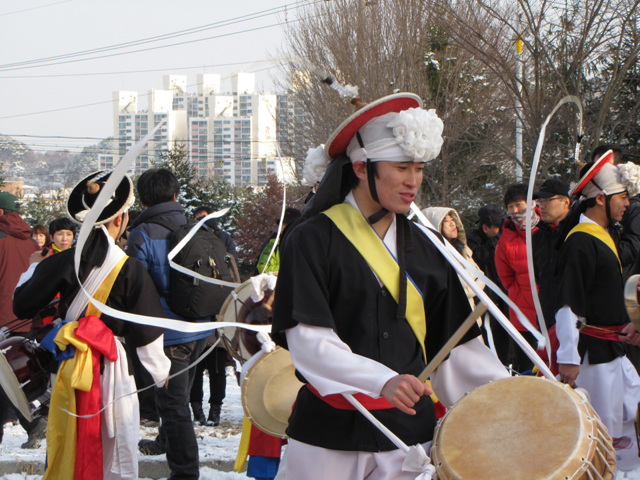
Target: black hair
(515,193)
(203,208)
(61,224)
(157,185)
(618,155)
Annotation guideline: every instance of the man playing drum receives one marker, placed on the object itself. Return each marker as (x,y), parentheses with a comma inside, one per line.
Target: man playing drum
(364,298)
(591,320)
(103,445)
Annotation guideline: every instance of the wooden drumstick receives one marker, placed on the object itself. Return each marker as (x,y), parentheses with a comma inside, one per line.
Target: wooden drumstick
(453,341)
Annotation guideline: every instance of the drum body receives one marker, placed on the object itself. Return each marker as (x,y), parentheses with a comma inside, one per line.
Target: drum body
(24,372)
(269,390)
(239,307)
(522,428)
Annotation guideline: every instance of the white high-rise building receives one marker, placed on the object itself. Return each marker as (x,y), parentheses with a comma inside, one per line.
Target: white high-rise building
(229,136)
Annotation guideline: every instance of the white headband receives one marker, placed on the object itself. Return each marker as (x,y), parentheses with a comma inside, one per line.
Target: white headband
(413,135)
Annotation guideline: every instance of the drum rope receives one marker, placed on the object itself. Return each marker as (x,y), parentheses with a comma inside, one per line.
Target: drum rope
(605,461)
(592,468)
(606,447)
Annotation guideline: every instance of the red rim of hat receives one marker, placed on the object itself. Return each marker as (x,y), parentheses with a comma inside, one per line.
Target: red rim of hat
(601,162)
(341,136)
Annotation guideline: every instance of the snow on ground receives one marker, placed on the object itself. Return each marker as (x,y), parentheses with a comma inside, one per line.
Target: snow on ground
(216,443)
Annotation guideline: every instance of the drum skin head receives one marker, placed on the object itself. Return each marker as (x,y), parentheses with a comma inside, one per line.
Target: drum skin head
(521,428)
(269,390)
(11,386)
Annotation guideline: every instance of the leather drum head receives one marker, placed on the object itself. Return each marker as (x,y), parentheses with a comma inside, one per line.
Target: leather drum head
(269,390)
(631,300)
(525,428)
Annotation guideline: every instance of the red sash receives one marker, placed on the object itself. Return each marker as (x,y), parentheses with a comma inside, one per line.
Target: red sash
(603,333)
(336,400)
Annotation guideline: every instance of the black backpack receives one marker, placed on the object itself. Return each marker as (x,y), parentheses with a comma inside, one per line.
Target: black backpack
(205,254)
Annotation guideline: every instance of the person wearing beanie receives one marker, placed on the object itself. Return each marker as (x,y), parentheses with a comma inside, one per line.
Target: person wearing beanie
(89,445)
(591,318)
(62,232)
(363,298)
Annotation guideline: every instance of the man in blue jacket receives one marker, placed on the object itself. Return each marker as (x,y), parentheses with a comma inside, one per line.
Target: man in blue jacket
(148,241)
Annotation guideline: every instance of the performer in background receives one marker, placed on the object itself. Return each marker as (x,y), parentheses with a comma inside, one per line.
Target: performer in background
(591,319)
(95,370)
(356,320)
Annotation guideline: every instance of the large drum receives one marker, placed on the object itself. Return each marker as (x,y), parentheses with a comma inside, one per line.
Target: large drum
(24,372)
(522,428)
(269,390)
(239,307)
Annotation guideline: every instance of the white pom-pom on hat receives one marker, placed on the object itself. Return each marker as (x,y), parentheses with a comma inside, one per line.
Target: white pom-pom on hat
(315,165)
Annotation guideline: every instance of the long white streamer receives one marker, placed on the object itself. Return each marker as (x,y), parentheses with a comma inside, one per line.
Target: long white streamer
(455,260)
(532,177)
(175,250)
(107,191)
(282,212)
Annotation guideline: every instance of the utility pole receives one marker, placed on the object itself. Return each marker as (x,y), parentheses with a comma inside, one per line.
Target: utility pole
(519,75)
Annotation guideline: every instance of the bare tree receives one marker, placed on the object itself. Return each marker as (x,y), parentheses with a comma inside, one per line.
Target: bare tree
(564,48)
(385,46)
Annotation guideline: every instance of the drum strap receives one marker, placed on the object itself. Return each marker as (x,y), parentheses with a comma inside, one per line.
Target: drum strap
(338,401)
(369,244)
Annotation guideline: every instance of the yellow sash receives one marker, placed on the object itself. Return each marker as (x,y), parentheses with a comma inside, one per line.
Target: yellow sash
(75,373)
(598,232)
(354,226)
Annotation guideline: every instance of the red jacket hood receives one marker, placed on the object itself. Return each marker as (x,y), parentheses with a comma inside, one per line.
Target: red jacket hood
(12,224)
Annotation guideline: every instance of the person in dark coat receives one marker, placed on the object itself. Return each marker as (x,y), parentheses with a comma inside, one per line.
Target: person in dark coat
(483,241)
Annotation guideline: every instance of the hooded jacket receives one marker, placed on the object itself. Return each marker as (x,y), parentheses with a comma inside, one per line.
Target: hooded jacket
(436,216)
(16,247)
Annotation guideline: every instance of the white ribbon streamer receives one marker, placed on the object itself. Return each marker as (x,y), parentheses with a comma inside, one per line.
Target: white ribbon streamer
(283,211)
(455,259)
(528,238)
(417,460)
(185,240)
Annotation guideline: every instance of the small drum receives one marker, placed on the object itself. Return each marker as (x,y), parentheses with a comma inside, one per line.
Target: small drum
(524,428)
(242,344)
(24,372)
(631,300)
(269,390)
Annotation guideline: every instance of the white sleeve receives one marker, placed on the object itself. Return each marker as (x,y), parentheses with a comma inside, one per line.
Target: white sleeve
(329,364)
(568,336)
(469,365)
(26,276)
(154,360)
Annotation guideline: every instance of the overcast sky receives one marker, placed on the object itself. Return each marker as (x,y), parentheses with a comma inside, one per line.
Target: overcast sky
(37,29)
